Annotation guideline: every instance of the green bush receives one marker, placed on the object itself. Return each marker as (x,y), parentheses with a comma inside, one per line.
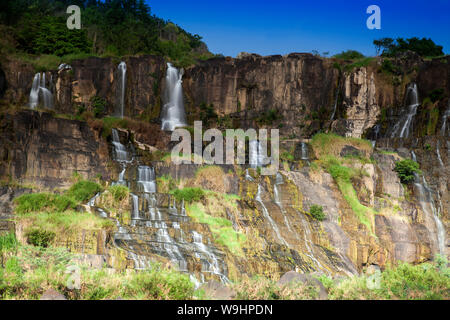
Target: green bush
(317,212)
(39,237)
(349,55)
(119,192)
(83,190)
(406,169)
(188,194)
(35,202)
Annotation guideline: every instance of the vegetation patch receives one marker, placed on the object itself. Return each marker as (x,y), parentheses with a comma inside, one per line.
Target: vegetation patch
(33,270)
(316,212)
(35,202)
(260,288)
(188,194)
(406,169)
(222,228)
(327,148)
(405,282)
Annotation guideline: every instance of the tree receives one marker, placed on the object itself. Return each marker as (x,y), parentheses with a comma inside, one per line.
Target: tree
(383,44)
(423,47)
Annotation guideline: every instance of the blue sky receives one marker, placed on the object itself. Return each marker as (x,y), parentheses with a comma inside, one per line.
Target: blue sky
(280,27)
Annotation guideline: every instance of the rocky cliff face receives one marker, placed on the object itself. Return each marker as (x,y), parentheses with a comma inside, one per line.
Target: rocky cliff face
(44,151)
(302,92)
(298,93)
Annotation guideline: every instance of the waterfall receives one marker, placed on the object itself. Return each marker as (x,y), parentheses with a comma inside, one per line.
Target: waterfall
(39,90)
(123,79)
(146,179)
(411,103)
(268,217)
(135,213)
(64,66)
(445,118)
(278,200)
(335,102)
(427,203)
(121,153)
(256,154)
(304,149)
(213,266)
(439,155)
(173,114)
(307,235)
(428,206)
(375,132)
(248,177)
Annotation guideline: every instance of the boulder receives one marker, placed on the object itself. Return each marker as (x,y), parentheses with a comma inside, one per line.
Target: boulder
(292,277)
(217,291)
(52,294)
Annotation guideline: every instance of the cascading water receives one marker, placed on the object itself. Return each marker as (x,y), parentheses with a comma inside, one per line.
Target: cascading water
(445,118)
(123,79)
(403,127)
(438,153)
(212,264)
(39,91)
(304,149)
(256,154)
(146,179)
(121,154)
(268,217)
(428,206)
(173,114)
(135,213)
(335,102)
(277,199)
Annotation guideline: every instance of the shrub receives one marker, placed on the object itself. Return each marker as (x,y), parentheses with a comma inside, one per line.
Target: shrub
(317,212)
(83,190)
(119,192)
(39,237)
(349,55)
(188,194)
(406,169)
(98,106)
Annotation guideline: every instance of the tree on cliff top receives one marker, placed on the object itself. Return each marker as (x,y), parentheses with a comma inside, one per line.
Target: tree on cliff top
(424,47)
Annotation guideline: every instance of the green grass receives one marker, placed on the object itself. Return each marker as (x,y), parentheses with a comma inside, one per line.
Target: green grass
(35,202)
(406,282)
(34,270)
(222,229)
(65,222)
(119,192)
(327,147)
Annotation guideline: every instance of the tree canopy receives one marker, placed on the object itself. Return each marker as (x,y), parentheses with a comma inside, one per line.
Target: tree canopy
(115,27)
(424,47)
